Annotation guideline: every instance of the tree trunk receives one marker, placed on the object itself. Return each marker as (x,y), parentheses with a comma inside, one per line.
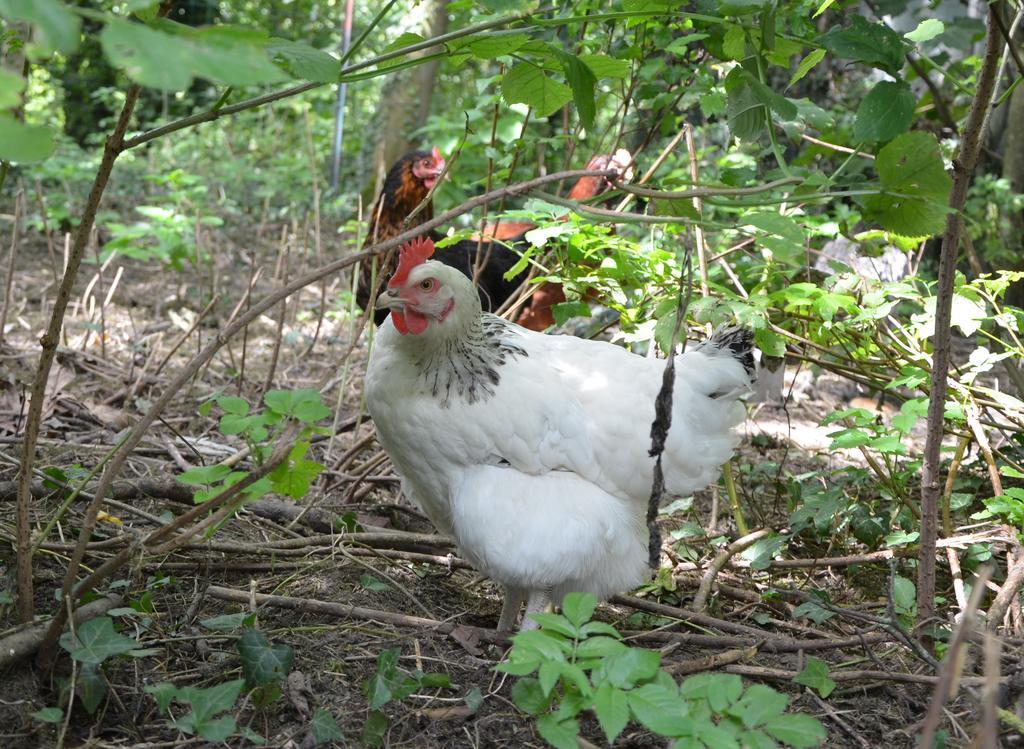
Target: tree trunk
(1013,171)
(405,103)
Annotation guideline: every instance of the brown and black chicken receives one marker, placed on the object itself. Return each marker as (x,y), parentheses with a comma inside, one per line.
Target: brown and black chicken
(406,186)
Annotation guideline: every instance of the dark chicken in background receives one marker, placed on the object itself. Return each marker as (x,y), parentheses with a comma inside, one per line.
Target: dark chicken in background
(406,186)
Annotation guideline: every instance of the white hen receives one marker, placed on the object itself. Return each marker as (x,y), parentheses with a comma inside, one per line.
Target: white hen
(530,450)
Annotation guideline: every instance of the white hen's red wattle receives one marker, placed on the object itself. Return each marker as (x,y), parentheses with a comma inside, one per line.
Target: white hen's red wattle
(530,450)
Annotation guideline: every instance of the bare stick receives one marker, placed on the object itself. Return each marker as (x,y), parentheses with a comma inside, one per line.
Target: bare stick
(720,560)
(48,345)
(949,671)
(963,170)
(759,672)
(9,281)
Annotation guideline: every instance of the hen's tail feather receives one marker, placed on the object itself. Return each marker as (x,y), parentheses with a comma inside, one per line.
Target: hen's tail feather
(737,341)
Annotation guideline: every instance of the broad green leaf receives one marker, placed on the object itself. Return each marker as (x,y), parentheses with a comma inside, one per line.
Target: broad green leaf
(233,405)
(490,46)
(374,728)
(324,727)
(57,26)
(611,706)
(579,607)
(149,57)
(734,45)
(582,82)
(49,715)
(303,405)
(529,696)
(369,582)
(11,86)
(230,55)
(885,112)
(163,693)
(206,703)
(228,622)
(660,710)
(599,647)
(603,66)
(815,675)
(757,704)
(904,594)
(528,84)
(796,730)
(203,475)
(862,41)
(216,730)
(96,640)
(806,65)
(92,687)
(720,690)
(405,40)
(263,662)
(912,173)
(901,538)
(294,477)
(24,143)
(561,734)
(304,61)
(927,30)
(812,610)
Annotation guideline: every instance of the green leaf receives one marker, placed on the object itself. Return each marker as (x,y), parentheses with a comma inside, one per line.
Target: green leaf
(579,607)
(163,693)
(294,477)
(11,86)
(927,30)
(49,715)
(324,727)
(232,405)
(527,84)
(372,583)
(660,709)
(555,623)
(815,675)
(23,143)
(304,405)
(917,187)
(216,729)
(561,734)
(490,46)
(611,706)
(304,61)
(734,45)
(757,704)
(599,647)
(862,41)
(374,728)
(798,731)
(203,475)
(603,66)
(96,640)
(92,687)
(901,538)
(228,622)
(405,40)
(262,662)
(169,56)
(885,112)
(904,594)
(582,82)
(806,65)
(629,667)
(58,28)
(529,696)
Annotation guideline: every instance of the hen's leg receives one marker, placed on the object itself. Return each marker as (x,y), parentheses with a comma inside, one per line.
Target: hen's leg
(514,598)
(539,601)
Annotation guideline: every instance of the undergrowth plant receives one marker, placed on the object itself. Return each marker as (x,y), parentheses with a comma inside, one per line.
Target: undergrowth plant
(582,665)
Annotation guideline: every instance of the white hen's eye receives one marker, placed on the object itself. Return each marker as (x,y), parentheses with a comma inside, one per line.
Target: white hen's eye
(427,285)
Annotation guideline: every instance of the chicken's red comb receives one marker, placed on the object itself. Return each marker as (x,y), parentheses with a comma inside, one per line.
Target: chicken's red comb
(410,255)
(436,153)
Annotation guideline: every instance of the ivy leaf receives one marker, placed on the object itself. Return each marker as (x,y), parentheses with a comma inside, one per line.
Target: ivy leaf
(92,687)
(263,662)
(872,43)
(815,675)
(57,26)
(528,84)
(885,112)
(911,166)
(324,727)
(96,640)
(24,143)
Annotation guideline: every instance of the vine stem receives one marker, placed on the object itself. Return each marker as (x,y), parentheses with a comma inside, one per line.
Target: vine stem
(963,170)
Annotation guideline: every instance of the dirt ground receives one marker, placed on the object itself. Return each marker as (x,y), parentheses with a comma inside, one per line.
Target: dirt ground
(121,346)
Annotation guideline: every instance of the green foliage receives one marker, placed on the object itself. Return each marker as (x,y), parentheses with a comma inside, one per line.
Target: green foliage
(583,665)
(391,684)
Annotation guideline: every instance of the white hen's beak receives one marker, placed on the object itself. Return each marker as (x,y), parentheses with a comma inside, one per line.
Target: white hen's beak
(389,298)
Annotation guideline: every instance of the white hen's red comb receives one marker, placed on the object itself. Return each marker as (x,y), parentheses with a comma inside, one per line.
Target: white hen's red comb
(412,253)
